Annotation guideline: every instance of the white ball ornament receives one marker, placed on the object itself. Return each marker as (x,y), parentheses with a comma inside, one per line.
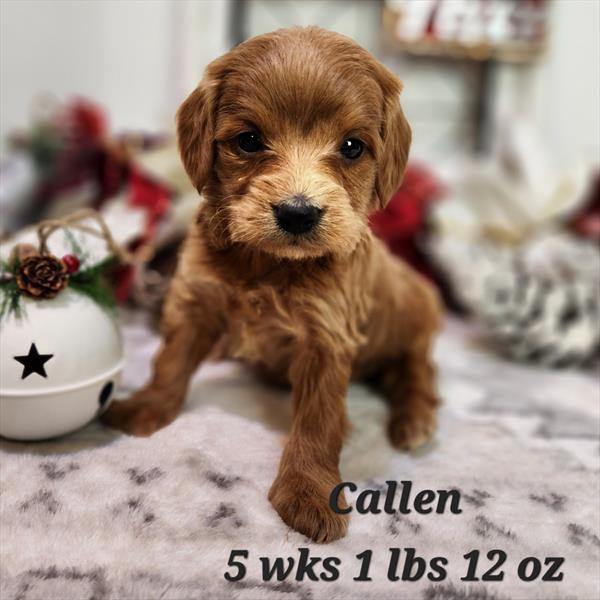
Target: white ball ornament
(60,361)
(61,352)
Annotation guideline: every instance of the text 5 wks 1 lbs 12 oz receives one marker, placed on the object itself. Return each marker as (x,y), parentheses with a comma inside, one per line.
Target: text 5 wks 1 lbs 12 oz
(403,565)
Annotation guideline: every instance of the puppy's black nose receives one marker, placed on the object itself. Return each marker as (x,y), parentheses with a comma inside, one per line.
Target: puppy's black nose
(297,215)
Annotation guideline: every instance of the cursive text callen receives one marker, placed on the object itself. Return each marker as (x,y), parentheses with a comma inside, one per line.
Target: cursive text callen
(391,500)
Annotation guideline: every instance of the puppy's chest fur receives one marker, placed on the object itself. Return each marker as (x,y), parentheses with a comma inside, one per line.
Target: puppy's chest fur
(261,328)
(267,323)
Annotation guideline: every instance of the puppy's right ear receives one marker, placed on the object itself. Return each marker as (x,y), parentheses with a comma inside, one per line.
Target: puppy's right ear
(196,127)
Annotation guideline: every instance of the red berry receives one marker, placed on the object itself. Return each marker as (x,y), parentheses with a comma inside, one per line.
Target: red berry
(71,262)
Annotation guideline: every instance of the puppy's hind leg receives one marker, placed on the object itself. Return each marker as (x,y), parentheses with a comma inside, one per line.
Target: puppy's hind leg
(191,325)
(408,384)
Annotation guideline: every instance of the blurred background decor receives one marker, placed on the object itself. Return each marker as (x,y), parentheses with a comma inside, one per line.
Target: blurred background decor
(506,140)
(504,150)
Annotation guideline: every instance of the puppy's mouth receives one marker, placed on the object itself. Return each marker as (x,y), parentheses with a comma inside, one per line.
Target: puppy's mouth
(299,245)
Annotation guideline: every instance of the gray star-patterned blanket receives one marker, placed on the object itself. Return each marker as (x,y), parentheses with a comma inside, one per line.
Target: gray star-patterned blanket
(100,515)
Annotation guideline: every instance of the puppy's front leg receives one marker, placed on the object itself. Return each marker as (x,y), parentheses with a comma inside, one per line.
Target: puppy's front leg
(309,467)
(192,322)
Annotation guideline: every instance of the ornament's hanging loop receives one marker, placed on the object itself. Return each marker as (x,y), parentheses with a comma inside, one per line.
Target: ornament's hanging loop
(74,221)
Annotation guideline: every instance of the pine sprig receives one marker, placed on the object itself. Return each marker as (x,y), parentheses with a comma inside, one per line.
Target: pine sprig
(10,301)
(76,248)
(9,266)
(92,283)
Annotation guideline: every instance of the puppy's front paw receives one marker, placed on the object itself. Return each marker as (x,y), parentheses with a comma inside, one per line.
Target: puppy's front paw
(304,506)
(141,415)
(413,423)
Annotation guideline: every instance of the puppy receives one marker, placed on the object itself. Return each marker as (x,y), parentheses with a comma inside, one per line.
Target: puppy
(293,138)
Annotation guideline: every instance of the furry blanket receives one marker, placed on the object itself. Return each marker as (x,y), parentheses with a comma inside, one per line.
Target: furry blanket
(104,516)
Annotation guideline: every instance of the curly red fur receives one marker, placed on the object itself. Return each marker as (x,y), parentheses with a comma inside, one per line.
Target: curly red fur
(312,310)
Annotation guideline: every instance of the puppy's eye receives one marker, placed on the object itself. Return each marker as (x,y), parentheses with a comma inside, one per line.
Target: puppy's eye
(351,148)
(249,142)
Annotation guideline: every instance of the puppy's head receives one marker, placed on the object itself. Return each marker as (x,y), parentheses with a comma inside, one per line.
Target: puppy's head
(294,137)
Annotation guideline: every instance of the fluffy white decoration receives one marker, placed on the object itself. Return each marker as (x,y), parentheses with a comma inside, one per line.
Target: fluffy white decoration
(539,300)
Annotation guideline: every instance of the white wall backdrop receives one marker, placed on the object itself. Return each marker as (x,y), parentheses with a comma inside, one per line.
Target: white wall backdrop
(567,84)
(139,59)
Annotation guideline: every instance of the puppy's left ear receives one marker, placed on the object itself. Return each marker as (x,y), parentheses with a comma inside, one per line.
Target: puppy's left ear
(196,126)
(395,137)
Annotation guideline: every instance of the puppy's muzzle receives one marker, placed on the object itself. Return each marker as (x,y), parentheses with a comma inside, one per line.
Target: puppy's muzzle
(297,215)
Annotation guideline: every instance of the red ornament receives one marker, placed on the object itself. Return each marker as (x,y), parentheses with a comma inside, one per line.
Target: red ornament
(71,262)
(403,223)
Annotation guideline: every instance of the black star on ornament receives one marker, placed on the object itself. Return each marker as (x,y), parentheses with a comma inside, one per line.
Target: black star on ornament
(33,362)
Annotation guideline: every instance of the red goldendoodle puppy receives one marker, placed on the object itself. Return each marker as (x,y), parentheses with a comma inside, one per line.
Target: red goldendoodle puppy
(294,137)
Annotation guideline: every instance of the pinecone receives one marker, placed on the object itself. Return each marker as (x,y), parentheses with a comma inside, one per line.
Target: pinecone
(42,276)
